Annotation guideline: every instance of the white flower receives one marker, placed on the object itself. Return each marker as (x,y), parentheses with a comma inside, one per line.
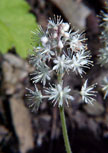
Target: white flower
(80,61)
(105,86)
(61,64)
(34,98)
(42,74)
(58,94)
(88,93)
(77,41)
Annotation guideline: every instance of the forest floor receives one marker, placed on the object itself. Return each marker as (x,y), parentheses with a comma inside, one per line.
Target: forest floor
(22,131)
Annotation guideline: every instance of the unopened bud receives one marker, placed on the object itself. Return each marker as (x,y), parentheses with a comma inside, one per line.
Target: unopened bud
(65,26)
(55,28)
(55,35)
(60,44)
(62,31)
(44,39)
(66,34)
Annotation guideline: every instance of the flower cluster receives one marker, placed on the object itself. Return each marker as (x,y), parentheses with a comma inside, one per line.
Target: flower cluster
(103,52)
(60,50)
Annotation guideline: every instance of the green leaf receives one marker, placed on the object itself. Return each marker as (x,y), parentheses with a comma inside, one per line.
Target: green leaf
(16,24)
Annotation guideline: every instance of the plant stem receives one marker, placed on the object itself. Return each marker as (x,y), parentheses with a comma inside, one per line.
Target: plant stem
(64,130)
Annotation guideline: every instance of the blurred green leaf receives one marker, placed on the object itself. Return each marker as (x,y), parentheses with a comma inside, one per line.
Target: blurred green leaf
(16,24)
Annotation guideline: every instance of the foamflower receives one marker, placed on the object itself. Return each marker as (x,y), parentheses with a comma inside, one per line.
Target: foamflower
(76,41)
(88,93)
(80,61)
(34,98)
(60,51)
(61,64)
(58,94)
(41,74)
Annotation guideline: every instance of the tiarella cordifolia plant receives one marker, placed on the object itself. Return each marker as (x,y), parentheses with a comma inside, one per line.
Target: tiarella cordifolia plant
(61,50)
(103,52)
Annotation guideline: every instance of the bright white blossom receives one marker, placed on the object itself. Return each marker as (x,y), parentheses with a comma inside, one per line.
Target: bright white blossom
(88,93)
(62,64)
(59,95)
(80,61)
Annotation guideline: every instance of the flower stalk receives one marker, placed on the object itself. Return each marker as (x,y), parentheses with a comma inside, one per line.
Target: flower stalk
(63,122)
(64,130)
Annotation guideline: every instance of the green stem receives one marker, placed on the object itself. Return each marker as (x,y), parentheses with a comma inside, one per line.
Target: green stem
(64,129)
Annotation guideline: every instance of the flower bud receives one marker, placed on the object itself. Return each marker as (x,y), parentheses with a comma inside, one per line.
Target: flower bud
(66,34)
(55,28)
(60,44)
(44,39)
(55,35)
(65,26)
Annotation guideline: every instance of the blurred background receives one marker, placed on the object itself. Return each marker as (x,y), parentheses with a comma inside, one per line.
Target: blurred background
(22,131)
